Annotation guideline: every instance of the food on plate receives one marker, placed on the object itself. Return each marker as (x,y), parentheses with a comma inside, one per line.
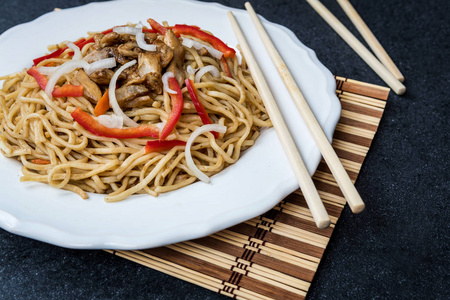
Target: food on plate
(131,110)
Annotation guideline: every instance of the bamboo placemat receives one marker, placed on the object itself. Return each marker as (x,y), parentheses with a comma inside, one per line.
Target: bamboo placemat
(275,255)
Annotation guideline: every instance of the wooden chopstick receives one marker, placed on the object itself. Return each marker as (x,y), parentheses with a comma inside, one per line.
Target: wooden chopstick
(306,184)
(337,169)
(358,47)
(370,38)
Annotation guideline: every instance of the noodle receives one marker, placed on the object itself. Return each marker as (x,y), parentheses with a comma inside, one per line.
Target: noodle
(41,133)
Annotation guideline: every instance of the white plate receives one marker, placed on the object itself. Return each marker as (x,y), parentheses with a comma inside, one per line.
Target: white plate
(252,186)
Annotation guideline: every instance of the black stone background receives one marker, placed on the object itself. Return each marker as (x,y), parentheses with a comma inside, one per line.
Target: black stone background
(398,248)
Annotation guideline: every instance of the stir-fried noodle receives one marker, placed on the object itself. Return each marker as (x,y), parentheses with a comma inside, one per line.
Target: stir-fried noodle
(60,141)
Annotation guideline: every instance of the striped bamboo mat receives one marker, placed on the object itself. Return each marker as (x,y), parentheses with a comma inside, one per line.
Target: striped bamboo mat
(275,255)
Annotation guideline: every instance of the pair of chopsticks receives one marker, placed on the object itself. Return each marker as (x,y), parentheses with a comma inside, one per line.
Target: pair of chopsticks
(306,184)
(384,67)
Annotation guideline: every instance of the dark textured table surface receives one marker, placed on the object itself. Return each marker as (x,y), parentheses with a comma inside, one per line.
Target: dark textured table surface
(398,248)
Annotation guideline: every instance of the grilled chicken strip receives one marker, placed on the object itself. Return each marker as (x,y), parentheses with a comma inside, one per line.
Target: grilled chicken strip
(128,93)
(90,89)
(149,67)
(176,65)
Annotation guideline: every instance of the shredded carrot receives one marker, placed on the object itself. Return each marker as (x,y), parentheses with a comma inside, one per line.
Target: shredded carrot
(226,67)
(40,161)
(102,104)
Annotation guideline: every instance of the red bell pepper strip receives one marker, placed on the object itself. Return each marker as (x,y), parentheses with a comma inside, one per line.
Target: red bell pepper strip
(107,31)
(94,127)
(177,108)
(40,79)
(198,105)
(80,43)
(54,54)
(68,90)
(57,52)
(85,42)
(91,39)
(158,145)
(180,29)
(149,30)
(157,27)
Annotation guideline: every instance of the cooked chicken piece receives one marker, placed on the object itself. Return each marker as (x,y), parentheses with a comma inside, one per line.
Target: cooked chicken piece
(121,59)
(154,82)
(131,76)
(171,40)
(97,38)
(125,38)
(151,81)
(102,76)
(106,53)
(176,64)
(148,63)
(129,92)
(138,101)
(150,68)
(165,53)
(97,55)
(177,72)
(148,72)
(131,71)
(150,37)
(90,89)
(110,39)
(129,49)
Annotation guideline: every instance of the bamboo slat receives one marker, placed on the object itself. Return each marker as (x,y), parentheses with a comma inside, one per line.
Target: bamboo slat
(275,255)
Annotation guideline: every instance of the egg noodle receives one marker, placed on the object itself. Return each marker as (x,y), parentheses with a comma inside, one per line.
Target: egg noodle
(41,132)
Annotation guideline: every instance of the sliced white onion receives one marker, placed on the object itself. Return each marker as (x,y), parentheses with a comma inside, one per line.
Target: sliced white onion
(127,30)
(188,42)
(214,52)
(139,25)
(76,51)
(140,36)
(111,121)
(165,80)
(47,70)
(190,70)
(112,95)
(143,44)
(106,63)
(197,45)
(187,152)
(66,67)
(211,69)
